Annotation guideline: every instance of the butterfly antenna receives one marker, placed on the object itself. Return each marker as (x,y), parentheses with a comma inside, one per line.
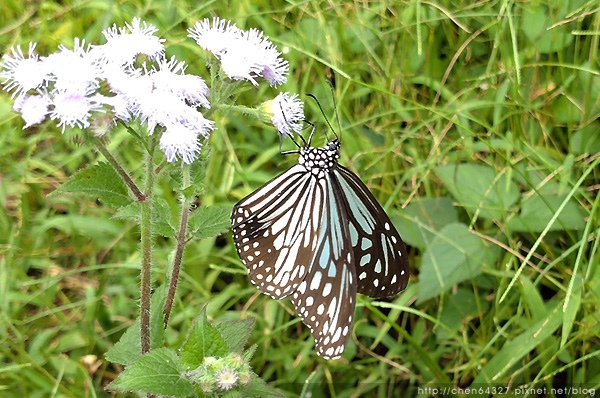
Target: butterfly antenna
(331,82)
(312,131)
(323,113)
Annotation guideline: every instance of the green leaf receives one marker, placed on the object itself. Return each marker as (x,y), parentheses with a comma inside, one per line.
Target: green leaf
(585,140)
(161,216)
(128,349)
(454,255)
(535,23)
(99,180)
(480,187)
(564,111)
(458,309)
(158,372)
(211,221)
(202,341)
(515,349)
(236,332)
(537,210)
(422,218)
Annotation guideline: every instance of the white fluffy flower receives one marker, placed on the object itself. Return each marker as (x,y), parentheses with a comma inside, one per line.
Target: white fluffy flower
(244,55)
(287,113)
(33,108)
(22,73)
(73,70)
(179,141)
(215,37)
(170,76)
(252,55)
(124,44)
(226,379)
(72,109)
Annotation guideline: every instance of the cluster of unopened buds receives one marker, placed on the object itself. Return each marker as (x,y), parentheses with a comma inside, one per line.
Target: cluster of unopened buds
(221,374)
(130,78)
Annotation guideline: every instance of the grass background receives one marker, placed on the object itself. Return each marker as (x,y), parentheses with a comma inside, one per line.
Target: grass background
(473,123)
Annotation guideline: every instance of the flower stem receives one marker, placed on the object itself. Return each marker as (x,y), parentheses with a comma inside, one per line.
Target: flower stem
(146,240)
(139,195)
(181,241)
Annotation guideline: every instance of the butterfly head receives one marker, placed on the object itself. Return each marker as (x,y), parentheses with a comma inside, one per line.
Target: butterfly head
(320,160)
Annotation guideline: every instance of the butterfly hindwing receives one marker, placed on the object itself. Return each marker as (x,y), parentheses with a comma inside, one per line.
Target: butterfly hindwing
(325,300)
(275,231)
(380,255)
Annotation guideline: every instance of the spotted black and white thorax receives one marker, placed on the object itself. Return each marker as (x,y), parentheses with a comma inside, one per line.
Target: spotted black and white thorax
(319,161)
(316,235)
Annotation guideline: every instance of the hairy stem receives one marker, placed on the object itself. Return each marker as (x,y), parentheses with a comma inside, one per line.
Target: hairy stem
(139,195)
(181,241)
(146,240)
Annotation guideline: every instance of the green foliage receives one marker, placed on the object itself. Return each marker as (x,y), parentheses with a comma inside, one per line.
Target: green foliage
(127,350)
(211,360)
(158,372)
(455,255)
(203,341)
(471,122)
(211,221)
(100,180)
(480,189)
(161,216)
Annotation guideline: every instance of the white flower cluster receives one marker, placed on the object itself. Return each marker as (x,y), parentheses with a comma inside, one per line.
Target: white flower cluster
(70,85)
(129,77)
(244,55)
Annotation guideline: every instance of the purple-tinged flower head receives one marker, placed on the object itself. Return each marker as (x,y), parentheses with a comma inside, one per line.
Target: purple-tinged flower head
(72,108)
(244,55)
(32,108)
(73,70)
(123,44)
(287,113)
(22,74)
(215,37)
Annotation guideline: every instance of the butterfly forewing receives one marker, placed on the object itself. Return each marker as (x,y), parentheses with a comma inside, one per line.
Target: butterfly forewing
(275,231)
(380,255)
(326,298)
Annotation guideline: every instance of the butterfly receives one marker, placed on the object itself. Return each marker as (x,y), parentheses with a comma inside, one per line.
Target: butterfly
(317,234)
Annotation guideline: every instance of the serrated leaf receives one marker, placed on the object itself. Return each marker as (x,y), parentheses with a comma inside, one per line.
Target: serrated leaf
(99,180)
(249,353)
(537,210)
(128,349)
(480,188)
(455,255)
(202,341)
(158,372)
(418,222)
(236,332)
(206,222)
(161,216)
